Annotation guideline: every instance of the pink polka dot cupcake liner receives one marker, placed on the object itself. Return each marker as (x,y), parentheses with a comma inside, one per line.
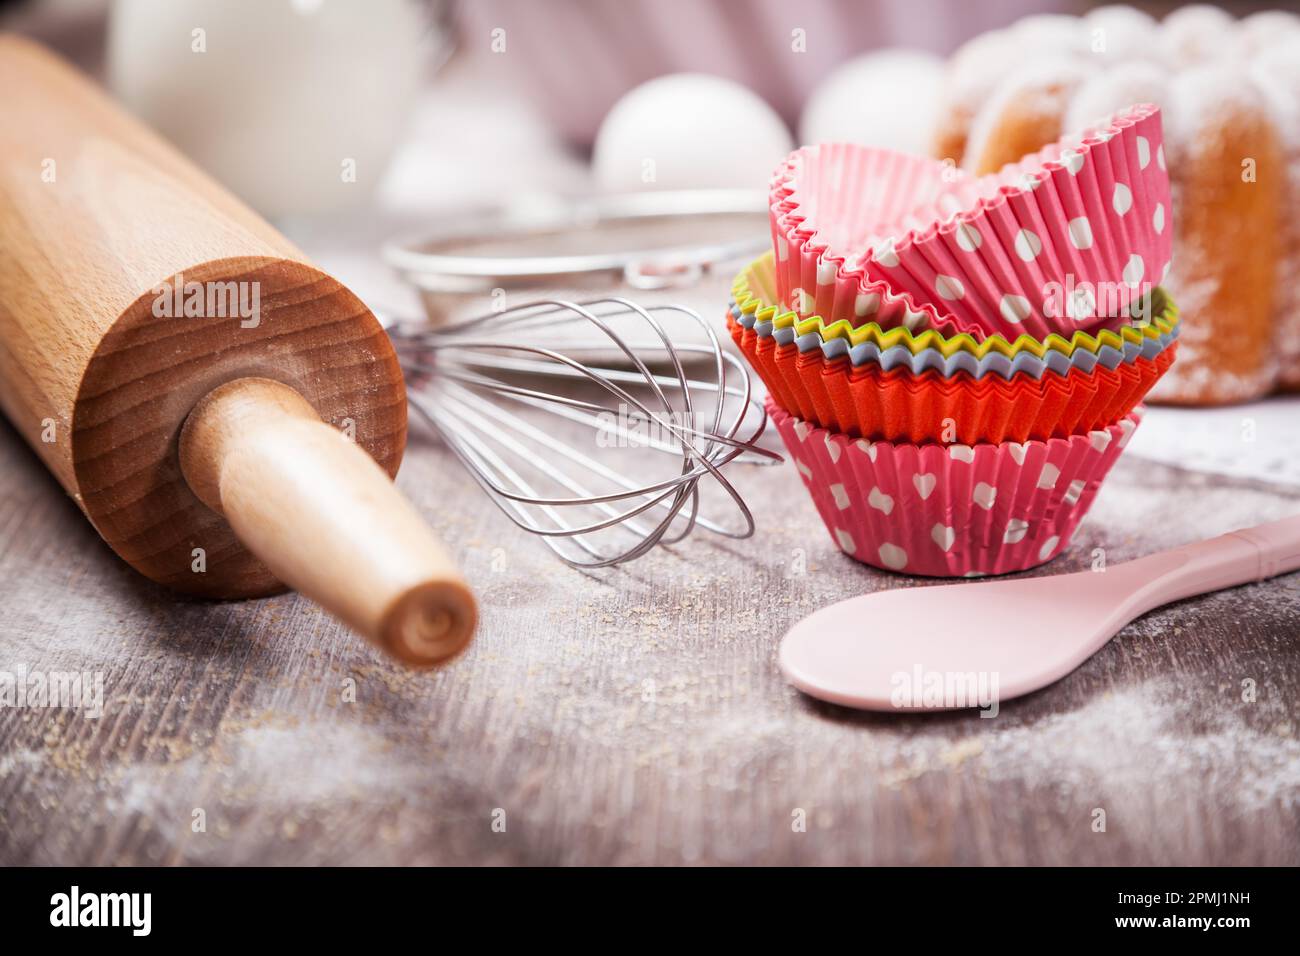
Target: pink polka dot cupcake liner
(1069,238)
(951,510)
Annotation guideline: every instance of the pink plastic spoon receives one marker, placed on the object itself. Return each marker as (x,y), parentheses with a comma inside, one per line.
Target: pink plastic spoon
(975,644)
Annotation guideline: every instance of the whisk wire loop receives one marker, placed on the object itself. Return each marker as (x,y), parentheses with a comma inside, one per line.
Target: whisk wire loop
(524,402)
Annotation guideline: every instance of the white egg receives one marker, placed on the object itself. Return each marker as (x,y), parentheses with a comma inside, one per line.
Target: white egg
(688,131)
(888,99)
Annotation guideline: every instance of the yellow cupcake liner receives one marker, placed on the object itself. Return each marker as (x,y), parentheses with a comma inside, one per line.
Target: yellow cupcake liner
(754,293)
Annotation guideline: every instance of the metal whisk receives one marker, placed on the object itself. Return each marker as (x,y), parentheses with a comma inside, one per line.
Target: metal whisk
(538,416)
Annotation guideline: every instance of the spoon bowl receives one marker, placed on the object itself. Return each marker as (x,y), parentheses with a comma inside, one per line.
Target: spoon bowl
(973,644)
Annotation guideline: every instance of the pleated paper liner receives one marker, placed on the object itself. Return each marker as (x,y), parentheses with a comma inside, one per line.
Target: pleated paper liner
(1062,240)
(899,406)
(955,510)
(990,364)
(754,293)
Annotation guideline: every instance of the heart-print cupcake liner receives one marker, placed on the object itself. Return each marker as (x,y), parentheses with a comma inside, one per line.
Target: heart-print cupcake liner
(900,406)
(955,510)
(1063,240)
(755,305)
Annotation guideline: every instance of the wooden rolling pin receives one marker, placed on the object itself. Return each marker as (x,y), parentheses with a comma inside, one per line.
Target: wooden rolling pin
(227,416)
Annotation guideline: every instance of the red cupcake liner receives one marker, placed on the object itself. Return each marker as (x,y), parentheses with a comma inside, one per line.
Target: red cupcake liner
(900,406)
(1064,240)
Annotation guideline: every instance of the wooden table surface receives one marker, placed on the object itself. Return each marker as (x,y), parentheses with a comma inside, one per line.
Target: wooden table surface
(635,716)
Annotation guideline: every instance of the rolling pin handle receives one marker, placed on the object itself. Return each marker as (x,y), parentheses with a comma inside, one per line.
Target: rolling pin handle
(326,519)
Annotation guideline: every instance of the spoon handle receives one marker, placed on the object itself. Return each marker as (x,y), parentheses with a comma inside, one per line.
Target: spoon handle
(1238,557)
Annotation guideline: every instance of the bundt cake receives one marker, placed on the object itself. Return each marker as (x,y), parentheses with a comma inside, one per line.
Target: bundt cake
(1230,96)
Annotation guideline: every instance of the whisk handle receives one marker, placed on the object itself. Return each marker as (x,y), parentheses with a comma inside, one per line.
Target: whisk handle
(326,519)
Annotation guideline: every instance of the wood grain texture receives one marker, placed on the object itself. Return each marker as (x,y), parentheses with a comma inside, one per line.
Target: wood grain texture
(634,717)
(149,373)
(97,214)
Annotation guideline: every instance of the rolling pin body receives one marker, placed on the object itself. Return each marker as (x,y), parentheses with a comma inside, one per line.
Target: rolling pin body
(133,288)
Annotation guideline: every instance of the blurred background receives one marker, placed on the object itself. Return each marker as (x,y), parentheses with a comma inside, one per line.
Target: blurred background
(506,95)
(349,123)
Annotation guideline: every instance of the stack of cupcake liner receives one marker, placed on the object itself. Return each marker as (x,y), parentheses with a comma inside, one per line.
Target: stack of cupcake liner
(955,364)
(896,386)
